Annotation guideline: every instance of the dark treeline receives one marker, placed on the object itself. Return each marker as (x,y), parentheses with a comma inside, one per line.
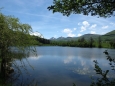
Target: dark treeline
(82,42)
(41,41)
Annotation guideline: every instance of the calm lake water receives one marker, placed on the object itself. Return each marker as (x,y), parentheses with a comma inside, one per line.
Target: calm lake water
(62,66)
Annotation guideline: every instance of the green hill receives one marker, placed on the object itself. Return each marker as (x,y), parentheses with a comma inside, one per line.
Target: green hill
(88,36)
(111,33)
(109,36)
(106,37)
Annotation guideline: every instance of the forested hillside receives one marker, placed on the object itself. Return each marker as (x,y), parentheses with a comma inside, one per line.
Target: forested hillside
(106,37)
(87,40)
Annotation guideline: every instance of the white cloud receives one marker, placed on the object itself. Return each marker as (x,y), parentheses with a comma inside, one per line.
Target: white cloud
(69,32)
(79,35)
(93,26)
(83,28)
(105,27)
(68,59)
(85,23)
(71,35)
(93,32)
(74,28)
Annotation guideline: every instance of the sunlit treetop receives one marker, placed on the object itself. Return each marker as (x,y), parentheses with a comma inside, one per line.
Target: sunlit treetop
(102,8)
(13,33)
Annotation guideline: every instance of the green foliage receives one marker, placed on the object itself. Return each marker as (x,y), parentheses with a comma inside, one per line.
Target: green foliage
(0,60)
(104,80)
(82,42)
(112,43)
(13,33)
(91,41)
(110,36)
(99,42)
(103,8)
(110,33)
(41,41)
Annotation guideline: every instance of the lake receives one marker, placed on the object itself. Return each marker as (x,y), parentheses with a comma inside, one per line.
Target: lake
(61,66)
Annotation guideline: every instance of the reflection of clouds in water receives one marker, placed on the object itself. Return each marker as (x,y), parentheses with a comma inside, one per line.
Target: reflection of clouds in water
(69,59)
(83,68)
(83,63)
(35,57)
(82,71)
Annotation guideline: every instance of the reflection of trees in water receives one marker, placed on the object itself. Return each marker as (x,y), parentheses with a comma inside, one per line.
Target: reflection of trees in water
(13,34)
(11,71)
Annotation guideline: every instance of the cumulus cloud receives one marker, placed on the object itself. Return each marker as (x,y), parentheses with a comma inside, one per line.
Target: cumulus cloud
(79,35)
(85,23)
(71,35)
(105,27)
(93,26)
(83,28)
(93,32)
(69,32)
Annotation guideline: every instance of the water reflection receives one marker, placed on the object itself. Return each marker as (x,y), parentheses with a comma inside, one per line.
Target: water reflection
(35,57)
(59,66)
(71,62)
(6,69)
(69,59)
(10,70)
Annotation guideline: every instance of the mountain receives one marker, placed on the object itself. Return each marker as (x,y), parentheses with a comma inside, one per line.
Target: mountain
(106,37)
(88,36)
(109,36)
(111,33)
(63,38)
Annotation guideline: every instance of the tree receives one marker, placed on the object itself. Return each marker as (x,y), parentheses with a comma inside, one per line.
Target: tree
(12,34)
(91,42)
(104,80)
(102,8)
(99,42)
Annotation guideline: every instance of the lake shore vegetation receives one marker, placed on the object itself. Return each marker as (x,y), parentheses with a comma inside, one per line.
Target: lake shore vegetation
(13,34)
(82,42)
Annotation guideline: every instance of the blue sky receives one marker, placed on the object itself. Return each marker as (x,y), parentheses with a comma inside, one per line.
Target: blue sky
(35,13)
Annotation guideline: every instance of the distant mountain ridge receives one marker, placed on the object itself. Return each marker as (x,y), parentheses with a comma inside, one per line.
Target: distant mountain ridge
(106,37)
(110,33)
